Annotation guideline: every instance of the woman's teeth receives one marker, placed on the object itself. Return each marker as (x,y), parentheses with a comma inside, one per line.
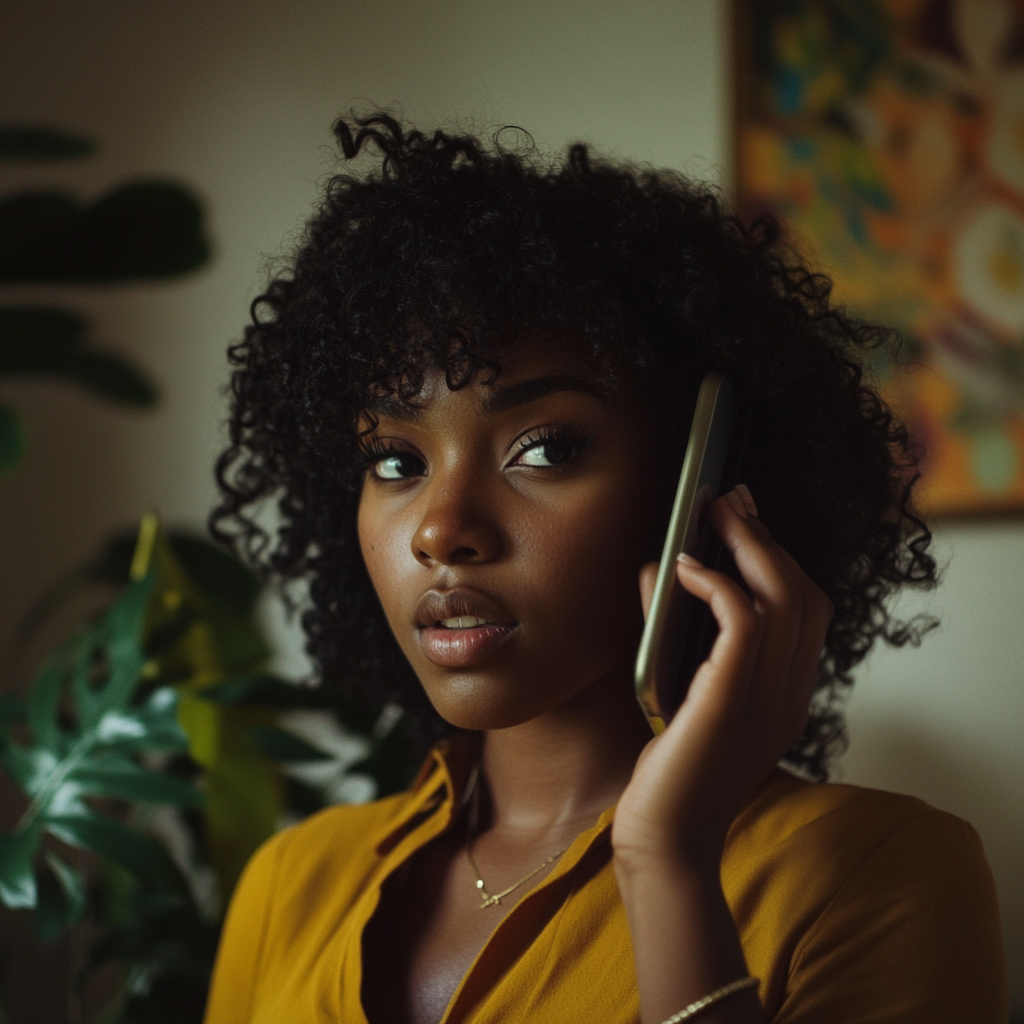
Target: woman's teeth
(463,622)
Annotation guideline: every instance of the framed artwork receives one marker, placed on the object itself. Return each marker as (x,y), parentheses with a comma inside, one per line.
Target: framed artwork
(888,137)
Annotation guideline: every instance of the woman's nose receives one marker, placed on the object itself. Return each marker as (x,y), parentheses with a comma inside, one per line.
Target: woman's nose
(458,524)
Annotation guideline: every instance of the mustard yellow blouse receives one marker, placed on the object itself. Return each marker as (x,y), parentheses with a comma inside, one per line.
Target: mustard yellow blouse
(853,905)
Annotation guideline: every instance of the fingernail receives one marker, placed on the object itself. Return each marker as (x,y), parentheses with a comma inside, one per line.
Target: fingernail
(747,498)
(736,504)
(689,560)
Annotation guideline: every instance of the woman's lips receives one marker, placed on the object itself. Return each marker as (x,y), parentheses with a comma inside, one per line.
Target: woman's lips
(462,626)
(462,648)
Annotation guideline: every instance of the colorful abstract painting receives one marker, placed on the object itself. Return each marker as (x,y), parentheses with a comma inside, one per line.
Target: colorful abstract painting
(888,137)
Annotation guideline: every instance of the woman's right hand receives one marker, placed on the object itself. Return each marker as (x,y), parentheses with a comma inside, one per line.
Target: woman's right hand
(746,705)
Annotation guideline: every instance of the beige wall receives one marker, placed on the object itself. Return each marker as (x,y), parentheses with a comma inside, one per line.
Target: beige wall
(236,99)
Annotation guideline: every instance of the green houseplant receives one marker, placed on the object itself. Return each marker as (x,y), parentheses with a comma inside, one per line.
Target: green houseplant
(164,702)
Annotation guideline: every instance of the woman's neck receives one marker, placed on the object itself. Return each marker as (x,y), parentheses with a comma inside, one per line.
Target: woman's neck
(567,765)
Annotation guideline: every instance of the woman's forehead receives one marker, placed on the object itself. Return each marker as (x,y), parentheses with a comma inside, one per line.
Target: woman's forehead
(542,352)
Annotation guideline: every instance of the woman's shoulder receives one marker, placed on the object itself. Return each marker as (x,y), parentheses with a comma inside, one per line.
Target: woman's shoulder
(337,848)
(819,835)
(293,893)
(850,897)
(786,807)
(334,835)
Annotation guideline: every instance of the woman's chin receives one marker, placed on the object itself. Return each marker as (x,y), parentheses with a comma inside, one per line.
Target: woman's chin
(486,701)
(481,706)
(483,701)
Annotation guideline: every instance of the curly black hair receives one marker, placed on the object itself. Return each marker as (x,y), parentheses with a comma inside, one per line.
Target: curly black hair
(450,246)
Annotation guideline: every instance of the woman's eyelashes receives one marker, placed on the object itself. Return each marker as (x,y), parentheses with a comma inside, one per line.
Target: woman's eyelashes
(550,446)
(386,462)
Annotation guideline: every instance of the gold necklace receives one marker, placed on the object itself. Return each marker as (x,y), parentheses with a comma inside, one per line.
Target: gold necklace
(491,900)
(494,900)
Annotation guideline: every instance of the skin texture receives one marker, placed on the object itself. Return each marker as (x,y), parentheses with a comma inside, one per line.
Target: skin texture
(542,515)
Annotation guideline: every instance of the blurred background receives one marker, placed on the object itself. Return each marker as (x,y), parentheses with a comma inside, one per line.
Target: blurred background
(235,103)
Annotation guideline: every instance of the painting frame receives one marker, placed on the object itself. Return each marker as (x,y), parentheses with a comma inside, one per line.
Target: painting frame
(873,131)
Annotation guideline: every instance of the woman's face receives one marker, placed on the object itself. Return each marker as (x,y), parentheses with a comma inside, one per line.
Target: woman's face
(503,527)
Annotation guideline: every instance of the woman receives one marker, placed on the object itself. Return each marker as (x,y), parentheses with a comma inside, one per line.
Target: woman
(470,398)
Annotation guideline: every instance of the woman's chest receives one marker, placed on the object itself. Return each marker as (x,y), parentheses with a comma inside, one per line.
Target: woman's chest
(424,936)
(430,953)
(561,953)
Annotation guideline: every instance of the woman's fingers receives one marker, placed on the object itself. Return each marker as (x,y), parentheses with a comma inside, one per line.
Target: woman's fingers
(816,616)
(818,609)
(796,610)
(747,703)
(735,652)
(772,636)
(776,595)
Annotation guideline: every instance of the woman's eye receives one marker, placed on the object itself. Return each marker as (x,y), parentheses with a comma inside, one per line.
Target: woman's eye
(397,466)
(548,453)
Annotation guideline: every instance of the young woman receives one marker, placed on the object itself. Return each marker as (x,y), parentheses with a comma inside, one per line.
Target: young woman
(469,399)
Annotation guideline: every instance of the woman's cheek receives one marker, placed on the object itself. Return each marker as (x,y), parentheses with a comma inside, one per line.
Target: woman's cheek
(583,566)
(383,546)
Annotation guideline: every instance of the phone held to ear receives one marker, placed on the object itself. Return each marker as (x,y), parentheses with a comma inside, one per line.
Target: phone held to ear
(680,629)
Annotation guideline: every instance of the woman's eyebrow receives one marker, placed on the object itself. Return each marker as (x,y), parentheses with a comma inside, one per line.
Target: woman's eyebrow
(393,409)
(497,401)
(508,397)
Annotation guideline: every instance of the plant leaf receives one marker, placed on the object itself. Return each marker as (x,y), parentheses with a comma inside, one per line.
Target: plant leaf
(153,725)
(12,440)
(17,880)
(101,373)
(11,710)
(41,706)
(102,669)
(118,776)
(107,376)
(161,626)
(45,341)
(30,142)
(61,898)
(28,766)
(244,791)
(38,328)
(242,784)
(119,638)
(134,851)
(280,745)
(260,689)
(143,229)
(219,576)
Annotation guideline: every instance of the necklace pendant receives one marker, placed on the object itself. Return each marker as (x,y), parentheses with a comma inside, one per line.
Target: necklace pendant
(489,901)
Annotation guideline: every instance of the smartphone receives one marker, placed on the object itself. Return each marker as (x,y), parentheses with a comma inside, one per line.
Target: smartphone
(680,628)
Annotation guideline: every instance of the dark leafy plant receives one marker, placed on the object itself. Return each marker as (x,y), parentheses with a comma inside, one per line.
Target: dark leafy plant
(140,230)
(165,701)
(86,733)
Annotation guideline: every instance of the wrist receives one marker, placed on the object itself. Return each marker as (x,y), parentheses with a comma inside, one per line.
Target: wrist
(685,943)
(637,870)
(680,854)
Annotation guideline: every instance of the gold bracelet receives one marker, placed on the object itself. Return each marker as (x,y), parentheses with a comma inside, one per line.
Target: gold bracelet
(720,993)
